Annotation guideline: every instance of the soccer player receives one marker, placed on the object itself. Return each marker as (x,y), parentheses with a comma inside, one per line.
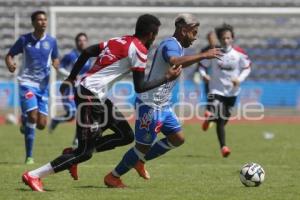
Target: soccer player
(153,107)
(38,49)
(66,65)
(95,112)
(224,85)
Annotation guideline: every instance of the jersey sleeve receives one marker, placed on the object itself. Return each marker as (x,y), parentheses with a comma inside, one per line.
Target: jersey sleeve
(17,47)
(65,61)
(170,49)
(138,58)
(54,54)
(205,63)
(244,61)
(102,46)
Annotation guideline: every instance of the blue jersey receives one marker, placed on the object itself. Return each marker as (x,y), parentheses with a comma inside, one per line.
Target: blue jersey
(69,60)
(37,56)
(161,95)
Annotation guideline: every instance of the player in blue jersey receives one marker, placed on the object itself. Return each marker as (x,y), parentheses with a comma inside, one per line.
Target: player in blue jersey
(153,107)
(39,53)
(66,65)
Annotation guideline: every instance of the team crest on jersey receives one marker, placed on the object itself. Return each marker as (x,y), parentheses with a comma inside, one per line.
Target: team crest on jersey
(46,45)
(158,127)
(145,121)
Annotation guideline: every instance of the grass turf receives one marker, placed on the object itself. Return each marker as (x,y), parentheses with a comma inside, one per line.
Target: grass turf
(194,171)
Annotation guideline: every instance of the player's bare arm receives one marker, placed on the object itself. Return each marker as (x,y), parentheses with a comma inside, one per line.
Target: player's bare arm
(186,61)
(55,63)
(89,52)
(10,63)
(140,85)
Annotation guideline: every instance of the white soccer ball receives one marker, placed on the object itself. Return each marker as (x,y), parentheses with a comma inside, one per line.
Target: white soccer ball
(252,175)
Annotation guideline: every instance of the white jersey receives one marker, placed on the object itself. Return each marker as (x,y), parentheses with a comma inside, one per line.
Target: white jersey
(223,71)
(119,56)
(160,96)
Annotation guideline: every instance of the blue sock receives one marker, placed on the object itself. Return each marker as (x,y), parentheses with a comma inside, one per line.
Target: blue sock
(159,148)
(29,138)
(129,160)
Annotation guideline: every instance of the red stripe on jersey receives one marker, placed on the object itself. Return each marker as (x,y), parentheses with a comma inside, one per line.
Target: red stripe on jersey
(239,49)
(140,58)
(101,45)
(140,46)
(114,50)
(139,69)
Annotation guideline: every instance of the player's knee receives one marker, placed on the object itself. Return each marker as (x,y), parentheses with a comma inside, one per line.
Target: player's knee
(41,126)
(83,155)
(177,140)
(32,117)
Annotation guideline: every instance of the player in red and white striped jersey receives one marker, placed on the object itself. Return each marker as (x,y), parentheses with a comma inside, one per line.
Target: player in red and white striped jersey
(224,82)
(116,58)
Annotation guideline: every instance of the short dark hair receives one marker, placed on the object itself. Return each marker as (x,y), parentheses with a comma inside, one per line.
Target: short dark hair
(146,24)
(36,13)
(79,35)
(225,27)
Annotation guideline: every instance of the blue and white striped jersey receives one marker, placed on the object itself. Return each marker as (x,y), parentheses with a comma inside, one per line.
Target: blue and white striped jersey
(37,56)
(161,95)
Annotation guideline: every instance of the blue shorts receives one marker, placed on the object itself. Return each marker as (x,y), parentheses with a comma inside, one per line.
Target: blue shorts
(151,121)
(32,98)
(69,102)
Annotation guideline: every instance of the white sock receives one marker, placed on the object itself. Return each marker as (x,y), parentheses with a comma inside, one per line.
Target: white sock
(42,171)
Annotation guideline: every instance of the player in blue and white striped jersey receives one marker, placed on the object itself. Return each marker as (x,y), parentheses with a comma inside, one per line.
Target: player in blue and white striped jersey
(39,53)
(154,112)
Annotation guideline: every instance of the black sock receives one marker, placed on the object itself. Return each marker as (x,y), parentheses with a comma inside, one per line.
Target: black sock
(221,131)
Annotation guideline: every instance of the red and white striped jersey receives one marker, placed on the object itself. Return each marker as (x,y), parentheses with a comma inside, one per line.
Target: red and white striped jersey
(118,57)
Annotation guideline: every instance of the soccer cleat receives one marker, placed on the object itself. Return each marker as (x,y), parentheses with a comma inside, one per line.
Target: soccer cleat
(206,124)
(29,161)
(34,183)
(140,168)
(73,168)
(225,151)
(113,182)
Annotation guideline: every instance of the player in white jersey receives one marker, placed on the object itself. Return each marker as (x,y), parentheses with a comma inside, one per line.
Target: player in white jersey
(96,113)
(224,83)
(154,112)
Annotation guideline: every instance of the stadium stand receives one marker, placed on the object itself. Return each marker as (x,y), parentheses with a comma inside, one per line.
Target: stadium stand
(270,48)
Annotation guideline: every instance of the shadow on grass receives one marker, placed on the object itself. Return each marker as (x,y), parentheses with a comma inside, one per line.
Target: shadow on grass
(90,187)
(10,163)
(104,187)
(29,190)
(194,156)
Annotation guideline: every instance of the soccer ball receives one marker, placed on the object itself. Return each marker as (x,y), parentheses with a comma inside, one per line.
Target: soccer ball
(252,175)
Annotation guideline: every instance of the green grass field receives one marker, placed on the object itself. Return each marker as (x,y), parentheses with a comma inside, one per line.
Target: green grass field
(194,171)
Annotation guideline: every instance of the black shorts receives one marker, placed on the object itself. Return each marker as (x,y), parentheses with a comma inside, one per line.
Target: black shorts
(94,116)
(220,106)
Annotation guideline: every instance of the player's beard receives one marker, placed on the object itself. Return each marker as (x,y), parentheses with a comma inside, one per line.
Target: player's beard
(148,44)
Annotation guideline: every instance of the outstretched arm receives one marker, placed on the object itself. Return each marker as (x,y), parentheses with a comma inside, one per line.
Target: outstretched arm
(140,85)
(186,61)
